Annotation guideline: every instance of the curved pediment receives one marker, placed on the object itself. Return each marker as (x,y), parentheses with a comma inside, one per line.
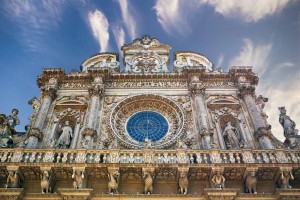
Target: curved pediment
(102,60)
(185,60)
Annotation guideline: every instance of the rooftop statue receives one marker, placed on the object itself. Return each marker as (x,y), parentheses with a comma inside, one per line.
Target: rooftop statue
(8,128)
(289,129)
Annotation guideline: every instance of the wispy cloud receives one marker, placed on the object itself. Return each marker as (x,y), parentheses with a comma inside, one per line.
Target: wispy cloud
(253,55)
(34,19)
(286,65)
(220,60)
(249,11)
(176,15)
(99,25)
(119,35)
(129,18)
(170,15)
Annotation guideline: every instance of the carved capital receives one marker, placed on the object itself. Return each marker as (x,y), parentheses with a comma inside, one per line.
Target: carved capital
(197,90)
(48,92)
(34,132)
(88,132)
(206,132)
(96,89)
(245,90)
(263,131)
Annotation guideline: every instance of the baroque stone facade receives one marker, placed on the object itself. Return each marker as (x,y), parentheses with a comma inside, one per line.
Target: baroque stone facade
(148,130)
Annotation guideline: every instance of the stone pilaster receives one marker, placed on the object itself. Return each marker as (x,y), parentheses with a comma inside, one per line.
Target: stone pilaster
(204,129)
(247,93)
(48,94)
(95,92)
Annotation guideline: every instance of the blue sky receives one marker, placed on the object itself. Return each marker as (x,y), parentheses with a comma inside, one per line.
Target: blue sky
(41,34)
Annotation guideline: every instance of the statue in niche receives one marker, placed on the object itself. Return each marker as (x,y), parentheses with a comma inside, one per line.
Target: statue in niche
(232,137)
(218,180)
(285,179)
(64,139)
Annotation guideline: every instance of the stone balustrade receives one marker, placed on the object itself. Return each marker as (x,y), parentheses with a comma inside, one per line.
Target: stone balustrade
(148,156)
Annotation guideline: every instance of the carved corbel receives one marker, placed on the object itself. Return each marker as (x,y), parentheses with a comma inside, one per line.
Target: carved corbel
(47,179)
(113,176)
(183,181)
(78,177)
(216,177)
(148,173)
(284,177)
(250,180)
(14,177)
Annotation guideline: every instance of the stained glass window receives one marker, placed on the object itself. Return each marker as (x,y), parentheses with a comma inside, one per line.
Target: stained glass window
(147,124)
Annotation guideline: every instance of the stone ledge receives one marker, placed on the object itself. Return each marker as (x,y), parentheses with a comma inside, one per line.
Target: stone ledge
(151,196)
(226,193)
(40,196)
(10,193)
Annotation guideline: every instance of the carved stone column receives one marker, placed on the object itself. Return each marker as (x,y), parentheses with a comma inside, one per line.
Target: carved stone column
(247,93)
(198,94)
(95,91)
(265,138)
(48,94)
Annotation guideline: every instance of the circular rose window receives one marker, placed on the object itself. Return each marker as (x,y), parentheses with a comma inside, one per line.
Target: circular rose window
(155,117)
(147,124)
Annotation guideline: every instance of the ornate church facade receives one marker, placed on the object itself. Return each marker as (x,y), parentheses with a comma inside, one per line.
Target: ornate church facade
(148,130)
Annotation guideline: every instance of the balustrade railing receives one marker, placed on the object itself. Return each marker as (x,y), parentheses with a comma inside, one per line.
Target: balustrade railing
(179,156)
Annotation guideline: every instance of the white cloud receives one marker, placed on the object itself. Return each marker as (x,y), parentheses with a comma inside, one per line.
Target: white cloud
(220,60)
(119,35)
(249,11)
(171,14)
(253,55)
(99,26)
(128,13)
(286,65)
(33,19)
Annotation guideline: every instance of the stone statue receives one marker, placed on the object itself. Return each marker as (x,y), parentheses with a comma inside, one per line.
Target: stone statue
(232,137)
(183,183)
(64,139)
(251,182)
(218,180)
(10,122)
(285,179)
(290,132)
(148,189)
(78,179)
(113,182)
(286,122)
(13,180)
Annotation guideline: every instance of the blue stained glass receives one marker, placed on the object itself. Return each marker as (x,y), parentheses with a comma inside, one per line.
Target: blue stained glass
(147,124)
